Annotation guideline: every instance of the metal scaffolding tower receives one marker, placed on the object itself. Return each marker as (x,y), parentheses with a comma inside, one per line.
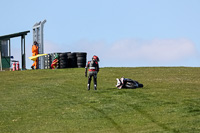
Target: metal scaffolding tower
(38,37)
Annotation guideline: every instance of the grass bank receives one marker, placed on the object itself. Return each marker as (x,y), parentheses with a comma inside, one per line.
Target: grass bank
(45,101)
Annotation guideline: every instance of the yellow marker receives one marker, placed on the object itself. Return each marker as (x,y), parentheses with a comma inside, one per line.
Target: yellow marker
(35,57)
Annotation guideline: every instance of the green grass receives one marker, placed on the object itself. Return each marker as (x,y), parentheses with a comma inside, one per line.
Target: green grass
(48,101)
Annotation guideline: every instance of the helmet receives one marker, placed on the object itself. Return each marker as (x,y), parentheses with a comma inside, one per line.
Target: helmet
(56,56)
(96,58)
(35,42)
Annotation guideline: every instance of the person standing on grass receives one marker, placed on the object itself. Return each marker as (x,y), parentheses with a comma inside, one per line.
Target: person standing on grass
(34,53)
(92,72)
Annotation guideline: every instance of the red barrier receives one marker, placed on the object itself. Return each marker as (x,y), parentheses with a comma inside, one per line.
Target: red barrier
(14,66)
(17,66)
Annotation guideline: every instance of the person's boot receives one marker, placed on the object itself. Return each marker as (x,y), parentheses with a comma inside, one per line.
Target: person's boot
(88,87)
(32,67)
(95,87)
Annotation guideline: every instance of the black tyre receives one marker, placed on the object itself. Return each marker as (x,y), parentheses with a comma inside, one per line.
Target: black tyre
(72,60)
(63,66)
(81,65)
(81,58)
(81,61)
(64,54)
(63,58)
(81,54)
(63,63)
(71,55)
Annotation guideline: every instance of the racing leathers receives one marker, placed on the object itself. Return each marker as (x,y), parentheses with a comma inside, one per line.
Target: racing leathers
(128,83)
(54,64)
(93,67)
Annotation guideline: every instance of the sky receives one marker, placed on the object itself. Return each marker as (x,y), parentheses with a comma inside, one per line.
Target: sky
(122,33)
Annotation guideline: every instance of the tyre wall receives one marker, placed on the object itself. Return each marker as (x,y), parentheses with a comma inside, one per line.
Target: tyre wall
(67,60)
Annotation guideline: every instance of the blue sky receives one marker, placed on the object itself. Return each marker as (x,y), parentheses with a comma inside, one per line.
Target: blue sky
(123,33)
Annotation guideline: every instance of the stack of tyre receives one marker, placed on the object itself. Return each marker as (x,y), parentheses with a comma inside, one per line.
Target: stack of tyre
(72,60)
(81,59)
(47,61)
(63,60)
(67,60)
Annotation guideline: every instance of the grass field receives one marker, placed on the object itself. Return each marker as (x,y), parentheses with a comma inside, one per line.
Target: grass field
(48,101)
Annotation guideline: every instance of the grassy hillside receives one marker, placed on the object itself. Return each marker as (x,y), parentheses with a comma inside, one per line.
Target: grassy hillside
(47,101)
